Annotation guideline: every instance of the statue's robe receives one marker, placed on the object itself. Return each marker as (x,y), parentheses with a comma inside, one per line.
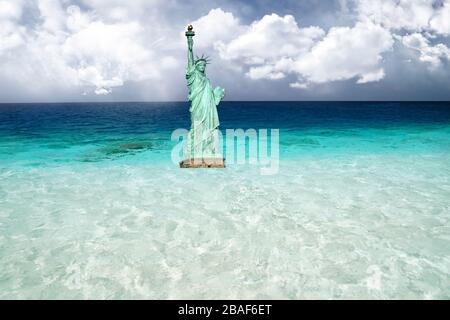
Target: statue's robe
(203,136)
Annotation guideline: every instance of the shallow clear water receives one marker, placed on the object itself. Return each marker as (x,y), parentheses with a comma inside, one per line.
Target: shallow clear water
(91,205)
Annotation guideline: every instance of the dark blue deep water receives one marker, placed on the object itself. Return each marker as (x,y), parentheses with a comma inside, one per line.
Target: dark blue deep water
(45,134)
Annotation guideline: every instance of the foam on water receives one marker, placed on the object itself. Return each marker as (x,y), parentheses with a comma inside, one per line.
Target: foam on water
(353,213)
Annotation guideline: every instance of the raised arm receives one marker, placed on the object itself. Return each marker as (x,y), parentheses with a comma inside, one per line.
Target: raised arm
(190,40)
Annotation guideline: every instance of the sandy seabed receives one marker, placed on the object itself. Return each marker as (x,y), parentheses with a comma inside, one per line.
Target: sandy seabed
(362,226)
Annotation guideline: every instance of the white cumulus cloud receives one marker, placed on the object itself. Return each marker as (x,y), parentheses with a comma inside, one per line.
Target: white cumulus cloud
(411,15)
(424,19)
(440,22)
(215,27)
(431,54)
(397,14)
(70,47)
(276,46)
(346,53)
(270,38)
(12,34)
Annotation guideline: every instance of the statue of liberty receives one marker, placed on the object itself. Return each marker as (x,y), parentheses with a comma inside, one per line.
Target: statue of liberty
(203,147)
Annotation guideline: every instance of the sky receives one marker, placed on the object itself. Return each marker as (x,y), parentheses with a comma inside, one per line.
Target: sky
(135,50)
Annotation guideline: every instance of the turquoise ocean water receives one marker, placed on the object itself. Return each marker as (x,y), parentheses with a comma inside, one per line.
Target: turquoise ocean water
(91,205)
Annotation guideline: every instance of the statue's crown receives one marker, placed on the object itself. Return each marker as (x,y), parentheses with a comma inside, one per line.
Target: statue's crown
(203,58)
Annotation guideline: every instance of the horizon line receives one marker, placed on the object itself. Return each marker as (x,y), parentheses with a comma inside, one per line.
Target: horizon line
(185,101)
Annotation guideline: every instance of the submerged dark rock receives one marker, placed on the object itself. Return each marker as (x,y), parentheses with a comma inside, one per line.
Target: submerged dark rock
(127,147)
(118,150)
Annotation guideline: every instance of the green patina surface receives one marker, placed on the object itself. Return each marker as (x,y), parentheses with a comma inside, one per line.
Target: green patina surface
(203,136)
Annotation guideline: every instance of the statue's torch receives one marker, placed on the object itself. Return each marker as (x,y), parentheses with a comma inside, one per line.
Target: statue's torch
(190,31)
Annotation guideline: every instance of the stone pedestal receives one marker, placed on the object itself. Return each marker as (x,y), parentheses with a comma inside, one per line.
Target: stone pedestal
(203,163)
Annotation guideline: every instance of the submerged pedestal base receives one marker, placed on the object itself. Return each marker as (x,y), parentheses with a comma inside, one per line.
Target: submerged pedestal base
(203,163)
